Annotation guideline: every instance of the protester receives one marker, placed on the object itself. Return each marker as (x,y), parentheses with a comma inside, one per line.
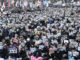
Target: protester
(40,35)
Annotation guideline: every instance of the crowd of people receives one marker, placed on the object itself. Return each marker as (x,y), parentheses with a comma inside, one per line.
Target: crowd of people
(39,35)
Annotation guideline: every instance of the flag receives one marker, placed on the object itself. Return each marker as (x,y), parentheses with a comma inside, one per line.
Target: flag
(12,2)
(25,3)
(38,3)
(8,3)
(4,3)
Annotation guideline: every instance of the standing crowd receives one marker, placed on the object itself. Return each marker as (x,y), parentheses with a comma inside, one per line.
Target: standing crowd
(39,36)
